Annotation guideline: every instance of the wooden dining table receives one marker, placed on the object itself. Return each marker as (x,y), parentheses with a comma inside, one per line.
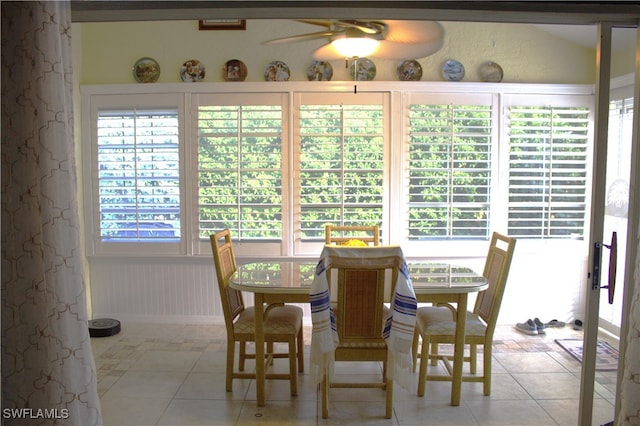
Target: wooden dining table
(290,281)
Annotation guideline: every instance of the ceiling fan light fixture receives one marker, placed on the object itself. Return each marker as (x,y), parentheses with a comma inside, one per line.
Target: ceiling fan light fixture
(355,47)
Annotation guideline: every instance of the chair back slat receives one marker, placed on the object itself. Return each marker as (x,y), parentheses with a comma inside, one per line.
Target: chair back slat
(360,295)
(339,235)
(496,271)
(225,263)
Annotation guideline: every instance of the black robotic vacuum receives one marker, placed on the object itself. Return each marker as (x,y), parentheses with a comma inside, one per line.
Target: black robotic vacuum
(104,327)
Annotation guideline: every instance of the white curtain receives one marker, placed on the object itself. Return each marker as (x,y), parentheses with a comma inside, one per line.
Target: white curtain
(48,371)
(630,382)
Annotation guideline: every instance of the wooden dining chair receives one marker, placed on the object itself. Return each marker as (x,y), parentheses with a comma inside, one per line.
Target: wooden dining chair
(340,234)
(282,323)
(360,318)
(436,325)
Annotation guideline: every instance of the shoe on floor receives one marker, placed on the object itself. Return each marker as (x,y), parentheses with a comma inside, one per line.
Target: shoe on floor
(577,325)
(555,323)
(528,327)
(540,326)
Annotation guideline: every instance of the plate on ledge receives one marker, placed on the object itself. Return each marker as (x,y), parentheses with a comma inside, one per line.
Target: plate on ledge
(409,71)
(491,72)
(192,71)
(234,70)
(319,71)
(146,70)
(277,71)
(366,69)
(453,70)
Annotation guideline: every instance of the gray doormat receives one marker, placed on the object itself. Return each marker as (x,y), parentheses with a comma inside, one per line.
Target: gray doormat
(606,355)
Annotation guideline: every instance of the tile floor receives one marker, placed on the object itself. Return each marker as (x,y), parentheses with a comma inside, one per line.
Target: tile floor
(169,374)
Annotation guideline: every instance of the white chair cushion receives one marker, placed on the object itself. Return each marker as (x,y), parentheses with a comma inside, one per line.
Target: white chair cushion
(281,320)
(438,321)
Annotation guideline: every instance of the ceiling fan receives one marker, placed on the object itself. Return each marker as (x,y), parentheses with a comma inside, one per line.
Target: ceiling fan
(397,39)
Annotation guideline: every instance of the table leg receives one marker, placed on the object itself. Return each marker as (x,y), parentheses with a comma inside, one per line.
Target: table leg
(458,351)
(259,330)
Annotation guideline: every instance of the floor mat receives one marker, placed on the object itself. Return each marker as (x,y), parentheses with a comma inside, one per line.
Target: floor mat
(606,357)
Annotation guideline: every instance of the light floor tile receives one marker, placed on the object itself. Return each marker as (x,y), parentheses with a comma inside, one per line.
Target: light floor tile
(150,384)
(168,374)
(195,412)
(122,410)
(509,413)
(565,412)
(420,411)
(166,361)
(550,385)
(291,412)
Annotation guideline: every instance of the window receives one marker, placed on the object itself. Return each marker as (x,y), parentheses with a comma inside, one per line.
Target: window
(138,175)
(275,167)
(449,182)
(341,163)
(548,171)
(240,170)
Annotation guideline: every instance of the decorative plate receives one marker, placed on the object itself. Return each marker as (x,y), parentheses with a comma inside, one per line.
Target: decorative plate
(146,70)
(234,70)
(490,71)
(192,71)
(409,71)
(453,70)
(366,69)
(277,71)
(319,71)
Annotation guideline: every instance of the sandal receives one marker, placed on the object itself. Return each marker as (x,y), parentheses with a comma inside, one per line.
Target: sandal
(555,323)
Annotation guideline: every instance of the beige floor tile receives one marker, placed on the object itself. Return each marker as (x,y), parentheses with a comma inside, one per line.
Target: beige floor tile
(166,361)
(509,413)
(424,411)
(175,375)
(195,412)
(565,412)
(127,410)
(150,384)
(288,412)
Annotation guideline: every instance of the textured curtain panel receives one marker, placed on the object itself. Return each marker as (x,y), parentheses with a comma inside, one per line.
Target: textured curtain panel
(48,372)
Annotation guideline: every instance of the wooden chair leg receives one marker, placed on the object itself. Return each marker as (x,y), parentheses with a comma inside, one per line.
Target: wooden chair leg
(293,374)
(389,408)
(424,359)
(325,396)
(242,355)
(434,352)
(270,351)
(231,345)
(473,358)
(487,368)
(414,348)
(300,352)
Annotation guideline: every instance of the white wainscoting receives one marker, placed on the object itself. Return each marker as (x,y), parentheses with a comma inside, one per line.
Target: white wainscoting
(548,285)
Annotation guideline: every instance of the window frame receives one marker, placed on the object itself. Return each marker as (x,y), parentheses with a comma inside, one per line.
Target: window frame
(126,102)
(399,95)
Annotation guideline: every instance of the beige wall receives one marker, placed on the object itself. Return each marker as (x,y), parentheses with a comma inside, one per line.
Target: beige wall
(526,53)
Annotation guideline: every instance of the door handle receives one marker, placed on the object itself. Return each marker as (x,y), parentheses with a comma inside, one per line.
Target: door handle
(613,260)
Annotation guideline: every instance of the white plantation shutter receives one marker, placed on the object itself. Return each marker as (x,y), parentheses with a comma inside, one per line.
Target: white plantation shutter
(449,176)
(340,179)
(240,169)
(548,171)
(138,175)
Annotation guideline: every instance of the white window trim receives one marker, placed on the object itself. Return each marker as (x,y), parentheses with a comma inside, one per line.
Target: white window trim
(398,93)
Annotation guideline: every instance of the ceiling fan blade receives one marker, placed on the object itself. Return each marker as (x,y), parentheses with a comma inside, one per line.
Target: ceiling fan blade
(303,37)
(367,27)
(414,31)
(403,40)
(392,50)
